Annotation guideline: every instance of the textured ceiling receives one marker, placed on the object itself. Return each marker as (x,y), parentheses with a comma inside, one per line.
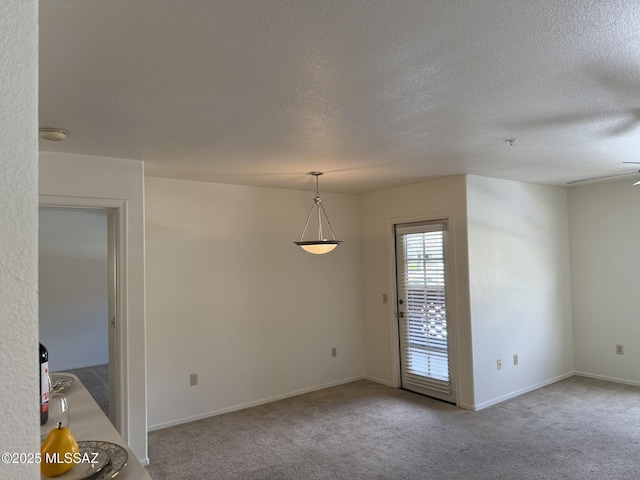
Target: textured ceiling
(377,94)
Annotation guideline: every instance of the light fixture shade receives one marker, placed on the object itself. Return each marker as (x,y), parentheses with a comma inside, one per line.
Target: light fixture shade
(53,134)
(321,245)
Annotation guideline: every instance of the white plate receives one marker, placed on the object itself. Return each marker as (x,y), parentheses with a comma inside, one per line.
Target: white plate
(60,381)
(93,461)
(118,458)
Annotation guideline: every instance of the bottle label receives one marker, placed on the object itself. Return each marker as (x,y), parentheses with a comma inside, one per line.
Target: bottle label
(45,386)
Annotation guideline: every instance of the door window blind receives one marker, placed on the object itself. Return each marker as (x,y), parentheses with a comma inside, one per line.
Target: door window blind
(423,326)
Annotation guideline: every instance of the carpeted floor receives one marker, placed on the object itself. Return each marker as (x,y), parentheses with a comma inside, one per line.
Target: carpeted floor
(96,381)
(578,428)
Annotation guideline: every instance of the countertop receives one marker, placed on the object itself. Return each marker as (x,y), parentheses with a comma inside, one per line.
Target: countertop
(88,422)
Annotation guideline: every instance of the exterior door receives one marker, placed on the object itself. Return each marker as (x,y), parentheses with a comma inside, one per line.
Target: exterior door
(421,263)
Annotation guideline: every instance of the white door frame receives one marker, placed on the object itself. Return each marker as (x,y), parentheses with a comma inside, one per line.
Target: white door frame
(393,296)
(119,207)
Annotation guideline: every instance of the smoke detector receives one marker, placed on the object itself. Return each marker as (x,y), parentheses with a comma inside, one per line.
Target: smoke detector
(53,134)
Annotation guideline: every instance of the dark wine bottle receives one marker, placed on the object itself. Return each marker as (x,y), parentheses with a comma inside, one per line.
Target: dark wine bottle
(45,384)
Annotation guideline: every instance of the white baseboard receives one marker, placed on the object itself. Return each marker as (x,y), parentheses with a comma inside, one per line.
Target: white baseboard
(378,380)
(609,379)
(517,393)
(242,406)
(476,407)
(544,384)
(466,406)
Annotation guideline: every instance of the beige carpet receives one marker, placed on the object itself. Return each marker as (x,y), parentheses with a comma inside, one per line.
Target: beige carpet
(578,429)
(96,381)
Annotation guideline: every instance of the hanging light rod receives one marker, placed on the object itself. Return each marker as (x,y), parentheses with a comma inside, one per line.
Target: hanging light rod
(321,245)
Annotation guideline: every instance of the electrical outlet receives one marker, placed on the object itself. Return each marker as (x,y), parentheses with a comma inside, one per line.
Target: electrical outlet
(499,364)
(619,349)
(334,352)
(193,379)
(515,359)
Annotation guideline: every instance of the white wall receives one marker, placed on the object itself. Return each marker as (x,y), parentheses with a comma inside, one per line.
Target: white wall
(512,281)
(73,290)
(19,233)
(605,258)
(83,178)
(434,199)
(231,298)
(520,286)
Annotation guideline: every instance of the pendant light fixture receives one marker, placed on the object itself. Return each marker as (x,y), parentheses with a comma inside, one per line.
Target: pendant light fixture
(53,134)
(321,245)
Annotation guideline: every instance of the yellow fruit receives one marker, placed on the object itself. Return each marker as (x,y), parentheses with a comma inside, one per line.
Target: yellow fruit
(58,452)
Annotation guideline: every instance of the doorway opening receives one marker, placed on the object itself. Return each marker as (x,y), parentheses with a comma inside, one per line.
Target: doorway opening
(78,291)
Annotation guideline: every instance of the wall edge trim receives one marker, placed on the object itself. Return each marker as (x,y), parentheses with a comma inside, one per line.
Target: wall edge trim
(608,379)
(242,406)
(517,393)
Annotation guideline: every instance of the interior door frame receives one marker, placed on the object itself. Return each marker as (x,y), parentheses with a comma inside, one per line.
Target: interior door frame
(117,213)
(452,326)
